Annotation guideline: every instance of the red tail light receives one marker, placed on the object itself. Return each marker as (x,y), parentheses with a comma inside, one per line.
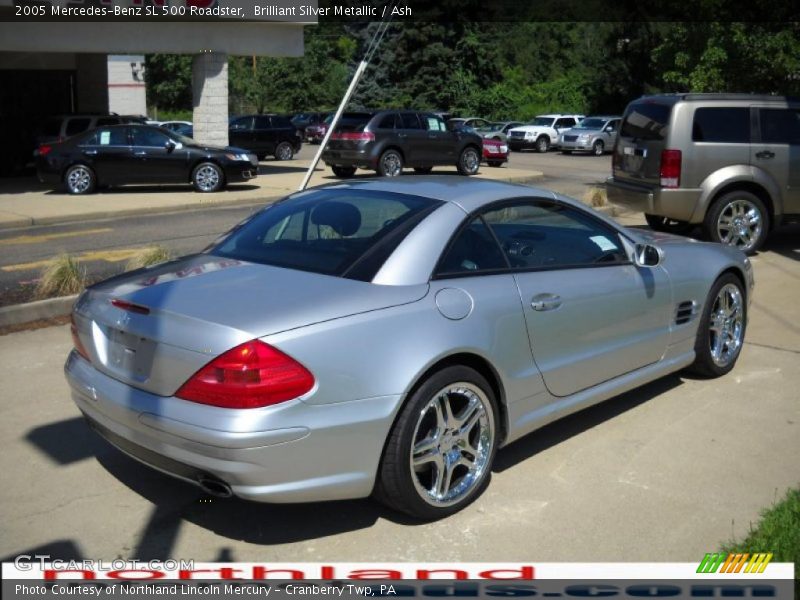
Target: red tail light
(76,341)
(44,150)
(130,306)
(670,168)
(351,136)
(251,375)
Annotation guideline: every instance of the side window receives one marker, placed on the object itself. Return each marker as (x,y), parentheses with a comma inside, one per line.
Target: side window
(262,122)
(548,235)
(613,125)
(729,125)
(433,123)
(76,126)
(144,136)
(473,250)
(411,121)
(780,125)
(388,121)
(565,122)
(110,136)
(242,124)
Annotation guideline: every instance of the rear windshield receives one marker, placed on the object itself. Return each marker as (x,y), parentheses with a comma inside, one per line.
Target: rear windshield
(353,121)
(646,121)
(347,233)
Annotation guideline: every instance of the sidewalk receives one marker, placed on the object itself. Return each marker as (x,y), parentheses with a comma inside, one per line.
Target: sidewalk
(25,202)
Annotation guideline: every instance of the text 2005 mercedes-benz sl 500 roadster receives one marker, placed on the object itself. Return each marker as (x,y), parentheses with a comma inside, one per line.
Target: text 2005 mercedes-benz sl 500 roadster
(387,337)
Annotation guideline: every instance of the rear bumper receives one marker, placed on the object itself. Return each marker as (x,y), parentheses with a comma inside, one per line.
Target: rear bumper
(678,204)
(361,158)
(305,453)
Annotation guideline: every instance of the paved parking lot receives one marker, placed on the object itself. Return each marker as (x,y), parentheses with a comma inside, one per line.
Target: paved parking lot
(667,472)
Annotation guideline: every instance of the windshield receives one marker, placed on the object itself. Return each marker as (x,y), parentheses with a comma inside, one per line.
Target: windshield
(347,233)
(542,121)
(591,123)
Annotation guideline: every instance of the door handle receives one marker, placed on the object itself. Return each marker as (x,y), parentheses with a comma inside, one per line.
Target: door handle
(90,152)
(542,302)
(140,153)
(765,154)
(402,135)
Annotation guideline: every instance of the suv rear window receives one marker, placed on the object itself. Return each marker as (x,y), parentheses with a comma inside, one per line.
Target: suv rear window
(328,232)
(353,121)
(722,124)
(76,126)
(646,121)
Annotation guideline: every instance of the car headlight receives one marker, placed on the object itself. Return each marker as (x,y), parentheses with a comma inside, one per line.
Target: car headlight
(242,156)
(584,137)
(530,134)
(503,149)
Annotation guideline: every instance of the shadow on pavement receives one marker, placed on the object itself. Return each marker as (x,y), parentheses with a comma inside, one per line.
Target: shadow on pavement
(66,442)
(58,550)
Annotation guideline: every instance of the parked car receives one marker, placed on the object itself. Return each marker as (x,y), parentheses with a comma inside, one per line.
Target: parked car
(304,119)
(541,133)
(123,154)
(593,134)
(387,141)
(61,127)
(498,130)
(265,135)
(473,122)
(728,162)
(183,128)
(495,153)
(386,337)
(316,133)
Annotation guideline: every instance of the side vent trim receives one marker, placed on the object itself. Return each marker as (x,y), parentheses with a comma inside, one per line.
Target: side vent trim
(685,312)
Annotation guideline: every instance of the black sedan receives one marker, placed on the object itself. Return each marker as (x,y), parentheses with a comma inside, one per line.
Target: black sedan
(122,154)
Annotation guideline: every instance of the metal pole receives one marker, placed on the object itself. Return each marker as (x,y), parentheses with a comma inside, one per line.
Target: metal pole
(353,83)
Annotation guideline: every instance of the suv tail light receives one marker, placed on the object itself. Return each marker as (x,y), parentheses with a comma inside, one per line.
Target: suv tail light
(44,150)
(251,375)
(351,136)
(670,168)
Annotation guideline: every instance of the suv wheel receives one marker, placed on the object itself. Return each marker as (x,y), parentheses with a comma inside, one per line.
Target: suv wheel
(390,164)
(439,454)
(738,219)
(542,144)
(598,148)
(340,171)
(667,225)
(469,162)
(284,151)
(80,179)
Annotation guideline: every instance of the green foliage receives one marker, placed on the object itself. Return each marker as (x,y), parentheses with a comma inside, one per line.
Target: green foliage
(169,81)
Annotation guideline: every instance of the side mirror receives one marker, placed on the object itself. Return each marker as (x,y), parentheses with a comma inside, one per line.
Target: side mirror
(169,145)
(647,255)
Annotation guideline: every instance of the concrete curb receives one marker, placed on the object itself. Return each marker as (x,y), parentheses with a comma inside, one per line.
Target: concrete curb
(18,314)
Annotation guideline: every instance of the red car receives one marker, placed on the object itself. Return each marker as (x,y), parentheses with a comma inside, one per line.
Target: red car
(315,133)
(495,152)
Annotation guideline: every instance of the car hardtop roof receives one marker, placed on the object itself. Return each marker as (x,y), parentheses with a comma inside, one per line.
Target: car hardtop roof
(558,115)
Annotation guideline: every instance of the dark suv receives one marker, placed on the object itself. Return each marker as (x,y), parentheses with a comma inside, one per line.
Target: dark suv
(389,140)
(264,135)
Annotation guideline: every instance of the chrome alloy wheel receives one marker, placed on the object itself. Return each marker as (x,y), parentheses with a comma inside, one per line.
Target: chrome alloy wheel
(739,224)
(726,329)
(470,161)
(452,444)
(392,164)
(79,179)
(207,178)
(284,151)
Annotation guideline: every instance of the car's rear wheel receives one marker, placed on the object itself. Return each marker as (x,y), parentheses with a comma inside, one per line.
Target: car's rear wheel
(390,164)
(495,163)
(80,179)
(423,170)
(208,177)
(284,151)
(469,162)
(598,148)
(720,333)
(738,219)
(439,454)
(542,144)
(667,225)
(340,171)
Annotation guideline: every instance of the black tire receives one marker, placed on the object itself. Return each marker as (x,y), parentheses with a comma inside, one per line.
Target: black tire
(755,221)
(667,225)
(469,162)
(495,163)
(284,151)
(80,179)
(704,363)
(598,148)
(542,144)
(208,177)
(423,170)
(390,164)
(399,484)
(344,172)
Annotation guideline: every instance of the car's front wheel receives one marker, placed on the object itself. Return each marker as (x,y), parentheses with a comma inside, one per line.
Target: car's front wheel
(543,144)
(284,151)
(738,219)
(598,148)
(469,162)
(439,454)
(340,171)
(390,164)
(720,333)
(207,177)
(80,179)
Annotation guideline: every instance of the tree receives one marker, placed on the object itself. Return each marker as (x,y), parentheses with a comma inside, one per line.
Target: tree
(169,81)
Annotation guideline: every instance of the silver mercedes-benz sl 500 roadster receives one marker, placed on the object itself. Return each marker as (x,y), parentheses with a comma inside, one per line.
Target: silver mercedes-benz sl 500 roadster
(386,337)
